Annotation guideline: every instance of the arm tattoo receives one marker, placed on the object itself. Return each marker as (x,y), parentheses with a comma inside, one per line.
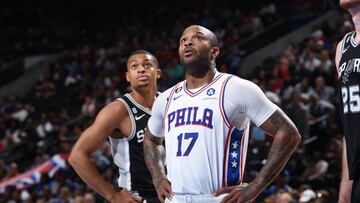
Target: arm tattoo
(154,154)
(275,123)
(286,139)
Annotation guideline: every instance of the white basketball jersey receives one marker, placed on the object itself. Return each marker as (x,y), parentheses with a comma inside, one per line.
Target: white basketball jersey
(204,152)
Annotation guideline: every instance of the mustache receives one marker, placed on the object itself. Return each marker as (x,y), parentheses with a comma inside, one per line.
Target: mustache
(198,66)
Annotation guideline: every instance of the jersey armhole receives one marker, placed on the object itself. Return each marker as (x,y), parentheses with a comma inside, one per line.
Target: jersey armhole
(222,101)
(131,116)
(342,49)
(343,45)
(169,99)
(344,41)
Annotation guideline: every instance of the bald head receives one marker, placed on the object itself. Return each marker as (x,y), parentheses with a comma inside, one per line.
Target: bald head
(205,31)
(198,49)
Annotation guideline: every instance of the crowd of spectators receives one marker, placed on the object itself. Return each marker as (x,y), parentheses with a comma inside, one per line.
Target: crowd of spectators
(40,27)
(47,30)
(302,80)
(65,100)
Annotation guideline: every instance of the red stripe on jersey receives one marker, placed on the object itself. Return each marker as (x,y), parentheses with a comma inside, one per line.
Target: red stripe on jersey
(226,157)
(241,171)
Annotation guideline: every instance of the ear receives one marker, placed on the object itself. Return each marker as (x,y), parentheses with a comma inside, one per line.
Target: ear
(127,76)
(215,52)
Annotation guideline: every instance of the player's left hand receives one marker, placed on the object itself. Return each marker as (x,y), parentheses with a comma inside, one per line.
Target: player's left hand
(239,194)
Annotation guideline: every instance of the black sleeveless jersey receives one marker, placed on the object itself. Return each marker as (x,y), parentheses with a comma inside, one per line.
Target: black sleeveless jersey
(128,153)
(349,84)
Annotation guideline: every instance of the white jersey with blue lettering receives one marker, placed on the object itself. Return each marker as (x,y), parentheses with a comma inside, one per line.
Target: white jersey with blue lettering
(206,131)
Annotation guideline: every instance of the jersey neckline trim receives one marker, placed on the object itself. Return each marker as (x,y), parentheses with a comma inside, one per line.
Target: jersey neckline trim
(352,40)
(137,104)
(193,94)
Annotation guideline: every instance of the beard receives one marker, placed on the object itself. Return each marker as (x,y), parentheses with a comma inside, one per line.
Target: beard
(348,4)
(198,66)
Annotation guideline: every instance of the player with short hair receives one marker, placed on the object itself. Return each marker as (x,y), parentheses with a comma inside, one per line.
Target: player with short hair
(123,121)
(205,123)
(347,61)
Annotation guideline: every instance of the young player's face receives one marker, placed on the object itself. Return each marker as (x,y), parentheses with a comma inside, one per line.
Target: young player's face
(142,70)
(348,4)
(194,45)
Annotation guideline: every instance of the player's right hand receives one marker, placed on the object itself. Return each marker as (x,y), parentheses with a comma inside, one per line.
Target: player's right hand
(163,189)
(125,197)
(240,194)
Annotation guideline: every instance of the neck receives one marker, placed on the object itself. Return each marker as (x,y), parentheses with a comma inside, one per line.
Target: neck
(355,13)
(144,96)
(196,82)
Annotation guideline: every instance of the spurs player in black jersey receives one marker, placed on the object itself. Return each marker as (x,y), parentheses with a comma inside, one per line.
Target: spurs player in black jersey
(348,65)
(123,121)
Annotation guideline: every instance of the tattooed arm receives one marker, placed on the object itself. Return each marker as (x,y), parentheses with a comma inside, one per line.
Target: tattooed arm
(286,139)
(154,154)
(253,103)
(154,151)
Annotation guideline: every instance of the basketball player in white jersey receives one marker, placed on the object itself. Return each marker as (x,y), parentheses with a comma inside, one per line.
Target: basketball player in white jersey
(123,122)
(205,123)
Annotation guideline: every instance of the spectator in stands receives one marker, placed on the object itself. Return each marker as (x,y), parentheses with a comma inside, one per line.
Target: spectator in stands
(307,195)
(305,88)
(320,118)
(298,113)
(317,170)
(325,92)
(89,107)
(283,197)
(234,59)
(326,62)
(89,198)
(312,62)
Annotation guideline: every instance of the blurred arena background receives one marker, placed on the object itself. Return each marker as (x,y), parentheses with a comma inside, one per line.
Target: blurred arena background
(61,61)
